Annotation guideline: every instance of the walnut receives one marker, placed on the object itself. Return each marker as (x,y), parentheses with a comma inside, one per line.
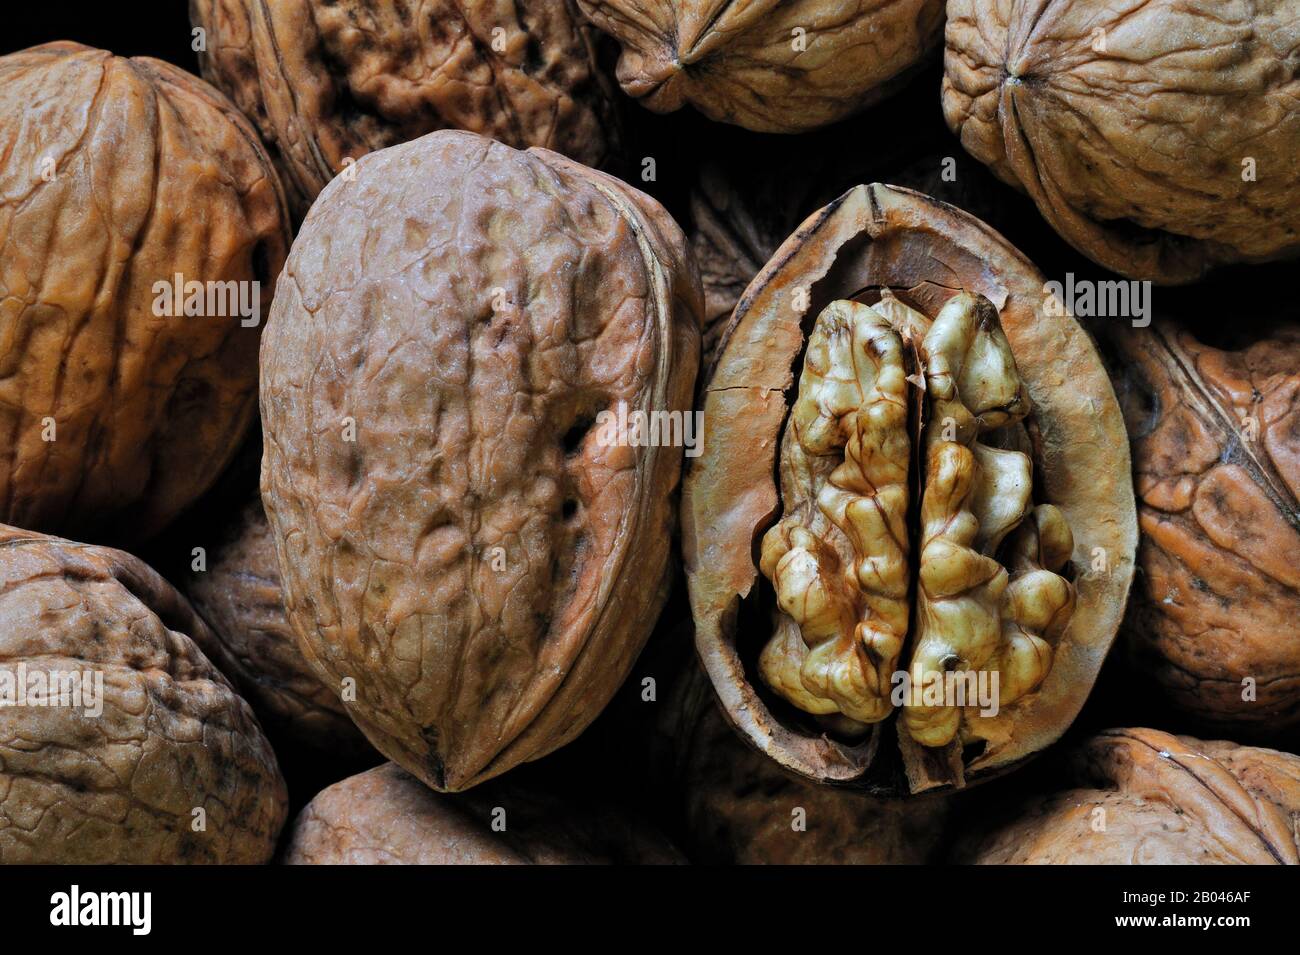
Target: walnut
(954,526)
(1216,454)
(740,808)
(239,595)
(1158,137)
(122,175)
(328,82)
(464,527)
(385,816)
(1144,797)
(128,745)
(782,66)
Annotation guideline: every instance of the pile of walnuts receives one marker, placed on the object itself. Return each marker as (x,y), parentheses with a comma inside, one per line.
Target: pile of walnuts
(880,491)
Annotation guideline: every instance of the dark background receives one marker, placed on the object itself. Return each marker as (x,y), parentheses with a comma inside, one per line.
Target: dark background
(903,140)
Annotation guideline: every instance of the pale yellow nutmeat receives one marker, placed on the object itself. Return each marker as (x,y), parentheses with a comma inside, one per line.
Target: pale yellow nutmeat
(1038,602)
(974,496)
(838,558)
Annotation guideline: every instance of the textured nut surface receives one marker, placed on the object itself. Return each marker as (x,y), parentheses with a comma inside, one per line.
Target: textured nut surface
(122,785)
(330,81)
(1216,452)
(386,816)
(741,808)
(118,174)
(485,559)
(1158,137)
(240,596)
(779,66)
(1003,575)
(1145,797)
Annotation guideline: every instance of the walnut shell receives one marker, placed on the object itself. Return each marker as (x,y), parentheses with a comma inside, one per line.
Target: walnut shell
(461,527)
(170,736)
(328,82)
(385,816)
(1216,454)
(118,418)
(778,66)
(1157,137)
(873,240)
(1144,797)
(239,595)
(741,808)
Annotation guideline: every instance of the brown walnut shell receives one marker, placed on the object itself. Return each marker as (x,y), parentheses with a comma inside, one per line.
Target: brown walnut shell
(328,82)
(170,736)
(779,66)
(485,557)
(119,174)
(1216,455)
(741,808)
(1144,797)
(1158,137)
(386,816)
(240,596)
(874,238)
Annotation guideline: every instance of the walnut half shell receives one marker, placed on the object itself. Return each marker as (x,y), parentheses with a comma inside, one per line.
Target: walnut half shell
(954,512)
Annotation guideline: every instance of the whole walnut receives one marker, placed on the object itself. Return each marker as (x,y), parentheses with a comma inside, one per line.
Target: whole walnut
(239,595)
(741,808)
(469,383)
(386,816)
(1144,797)
(1158,137)
(327,82)
(119,740)
(1216,458)
(910,535)
(122,182)
(779,66)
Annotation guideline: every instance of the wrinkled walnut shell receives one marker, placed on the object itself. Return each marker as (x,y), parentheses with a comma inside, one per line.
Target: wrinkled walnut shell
(873,237)
(123,785)
(1216,456)
(117,418)
(1157,137)
(385,816)
(1144,797)
(458,528)
(239,595)
(778,66)
(327,82)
